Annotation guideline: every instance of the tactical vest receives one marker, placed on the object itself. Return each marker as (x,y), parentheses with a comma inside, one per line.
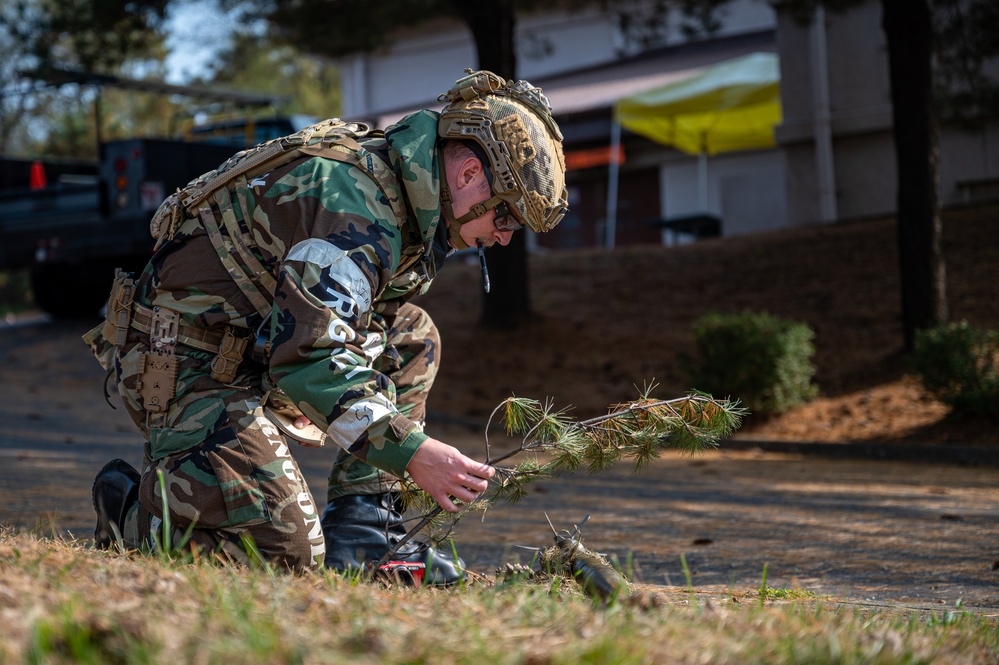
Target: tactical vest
(209,198)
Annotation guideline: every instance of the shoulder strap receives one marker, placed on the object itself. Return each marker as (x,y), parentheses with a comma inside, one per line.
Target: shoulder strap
(240,273)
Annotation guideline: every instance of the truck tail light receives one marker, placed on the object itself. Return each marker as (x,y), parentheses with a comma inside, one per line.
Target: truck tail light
(121,197)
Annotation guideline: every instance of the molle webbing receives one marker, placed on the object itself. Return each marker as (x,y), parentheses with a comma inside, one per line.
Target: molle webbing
(209,198)
(331,139)
(119,310)
(248,273)
(196,337)
(266,157)
(227,346)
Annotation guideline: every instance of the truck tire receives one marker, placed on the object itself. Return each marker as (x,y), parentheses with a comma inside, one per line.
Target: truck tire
(72,291)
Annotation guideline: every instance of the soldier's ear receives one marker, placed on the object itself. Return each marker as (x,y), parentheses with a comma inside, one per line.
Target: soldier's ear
(469,171)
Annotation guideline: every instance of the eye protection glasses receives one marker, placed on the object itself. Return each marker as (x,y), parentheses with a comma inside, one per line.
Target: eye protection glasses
(504,220)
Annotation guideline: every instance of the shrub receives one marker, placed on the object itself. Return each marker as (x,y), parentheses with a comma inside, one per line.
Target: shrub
(959,365)
(14,291)
(759,359)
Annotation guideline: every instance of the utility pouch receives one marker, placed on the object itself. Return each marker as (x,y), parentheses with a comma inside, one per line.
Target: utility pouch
(230,354)
(164,224)
(157,372)
(100,347)
(119,311)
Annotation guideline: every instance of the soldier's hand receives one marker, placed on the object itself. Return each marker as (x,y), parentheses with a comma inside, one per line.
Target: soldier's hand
(443,472)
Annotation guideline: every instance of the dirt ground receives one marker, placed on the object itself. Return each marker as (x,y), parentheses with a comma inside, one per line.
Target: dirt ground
(605,322)
(864,530)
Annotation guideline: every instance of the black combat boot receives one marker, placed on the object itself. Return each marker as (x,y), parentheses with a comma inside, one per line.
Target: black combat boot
(360,528)
(116,489)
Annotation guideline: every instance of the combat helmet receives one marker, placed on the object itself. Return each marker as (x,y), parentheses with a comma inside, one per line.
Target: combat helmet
(511,121)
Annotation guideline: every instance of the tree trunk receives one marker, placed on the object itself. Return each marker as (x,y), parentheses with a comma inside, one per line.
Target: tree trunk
(909,31)
(507,305)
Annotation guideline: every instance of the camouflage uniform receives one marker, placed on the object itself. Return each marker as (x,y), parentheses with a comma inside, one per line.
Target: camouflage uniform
(346,348)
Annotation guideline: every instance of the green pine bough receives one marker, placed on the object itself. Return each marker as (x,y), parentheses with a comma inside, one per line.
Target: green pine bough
(554,444)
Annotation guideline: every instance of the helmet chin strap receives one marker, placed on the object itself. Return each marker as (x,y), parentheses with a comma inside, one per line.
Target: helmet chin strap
(453,226)
(454,232)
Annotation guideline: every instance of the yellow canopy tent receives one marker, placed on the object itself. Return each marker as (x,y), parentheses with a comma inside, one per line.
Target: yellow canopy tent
(733,105)
(730,106)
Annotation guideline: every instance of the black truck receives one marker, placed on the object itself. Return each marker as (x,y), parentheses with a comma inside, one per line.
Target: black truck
(71,224)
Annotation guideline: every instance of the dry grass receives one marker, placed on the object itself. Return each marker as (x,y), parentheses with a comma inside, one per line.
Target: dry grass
(63,603)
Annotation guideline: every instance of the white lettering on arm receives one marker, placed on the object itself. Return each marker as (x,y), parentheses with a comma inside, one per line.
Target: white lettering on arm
(356,291)
(361,415)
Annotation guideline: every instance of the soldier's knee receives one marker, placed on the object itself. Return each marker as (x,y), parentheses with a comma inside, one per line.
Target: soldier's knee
(298,554)
(298,546)
(310,557)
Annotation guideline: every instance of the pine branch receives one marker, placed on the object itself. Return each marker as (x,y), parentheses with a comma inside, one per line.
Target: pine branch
(638,431)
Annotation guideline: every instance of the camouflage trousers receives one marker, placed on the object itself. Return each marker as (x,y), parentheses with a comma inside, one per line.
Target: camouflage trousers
(225,473)
(237,491)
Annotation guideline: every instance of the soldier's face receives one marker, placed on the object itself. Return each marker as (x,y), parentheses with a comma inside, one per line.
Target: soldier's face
(482,229)
(469,185)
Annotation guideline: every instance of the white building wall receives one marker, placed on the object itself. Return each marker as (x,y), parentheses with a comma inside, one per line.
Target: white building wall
(381,86)
(745,190)
(861,122)
(419,65)
(859,114)
(751,191)
(968,156)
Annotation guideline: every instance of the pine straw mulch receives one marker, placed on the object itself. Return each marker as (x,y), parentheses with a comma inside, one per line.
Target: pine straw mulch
(606,322)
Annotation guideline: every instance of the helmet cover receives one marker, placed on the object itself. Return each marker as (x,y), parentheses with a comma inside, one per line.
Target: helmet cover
(513,124)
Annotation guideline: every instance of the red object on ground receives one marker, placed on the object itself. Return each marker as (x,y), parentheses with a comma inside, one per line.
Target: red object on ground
(404,571)
(37,180)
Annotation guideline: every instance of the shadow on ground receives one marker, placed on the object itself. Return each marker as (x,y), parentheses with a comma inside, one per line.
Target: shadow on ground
(871,531)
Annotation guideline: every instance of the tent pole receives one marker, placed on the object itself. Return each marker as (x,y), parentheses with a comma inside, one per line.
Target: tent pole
(702,180)
(610,230)
(822,122)
(702,172)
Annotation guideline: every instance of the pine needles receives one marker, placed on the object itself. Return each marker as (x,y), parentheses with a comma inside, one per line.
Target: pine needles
(554,444)
(637,431)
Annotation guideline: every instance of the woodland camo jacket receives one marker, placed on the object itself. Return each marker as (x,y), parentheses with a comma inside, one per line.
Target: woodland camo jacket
(329,236)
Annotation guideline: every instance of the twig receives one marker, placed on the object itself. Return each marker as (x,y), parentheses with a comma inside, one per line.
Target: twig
(590,426)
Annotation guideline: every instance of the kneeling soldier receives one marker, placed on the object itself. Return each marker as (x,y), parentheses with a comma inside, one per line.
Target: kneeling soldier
(276,310)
